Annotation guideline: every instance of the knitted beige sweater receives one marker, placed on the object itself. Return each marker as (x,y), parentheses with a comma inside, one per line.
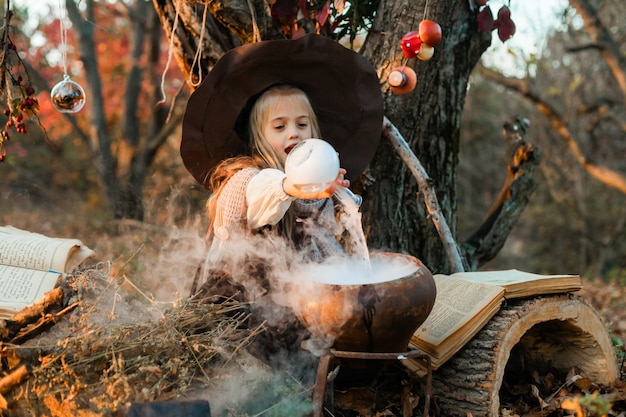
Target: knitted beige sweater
(253,199)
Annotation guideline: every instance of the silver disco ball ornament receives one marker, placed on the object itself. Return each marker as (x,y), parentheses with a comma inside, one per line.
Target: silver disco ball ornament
(68,96)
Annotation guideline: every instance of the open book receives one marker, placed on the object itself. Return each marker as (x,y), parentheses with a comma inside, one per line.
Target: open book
(466,301)
(31,264)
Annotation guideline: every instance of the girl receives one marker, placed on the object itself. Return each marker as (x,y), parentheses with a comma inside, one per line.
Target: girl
(252,192)
(257,102)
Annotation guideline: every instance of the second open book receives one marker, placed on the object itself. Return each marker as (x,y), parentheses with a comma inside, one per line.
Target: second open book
(466,301)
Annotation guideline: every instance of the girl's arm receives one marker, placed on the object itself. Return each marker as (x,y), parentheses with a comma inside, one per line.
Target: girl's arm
(267,200)
(269,195)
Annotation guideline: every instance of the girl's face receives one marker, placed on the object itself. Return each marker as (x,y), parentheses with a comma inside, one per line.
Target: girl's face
(286,125)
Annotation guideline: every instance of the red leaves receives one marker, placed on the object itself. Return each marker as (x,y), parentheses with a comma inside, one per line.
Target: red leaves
(485,20)
(504,25)
(285,15)
(332,18)
(322,15)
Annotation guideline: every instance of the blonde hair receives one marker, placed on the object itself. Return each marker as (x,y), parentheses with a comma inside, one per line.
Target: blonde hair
(262,154)
(259,117)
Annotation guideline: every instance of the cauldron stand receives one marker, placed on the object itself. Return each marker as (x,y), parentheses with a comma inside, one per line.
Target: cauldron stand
(321,378)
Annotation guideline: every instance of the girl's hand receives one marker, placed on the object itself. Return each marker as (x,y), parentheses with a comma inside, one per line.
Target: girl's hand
(291,189)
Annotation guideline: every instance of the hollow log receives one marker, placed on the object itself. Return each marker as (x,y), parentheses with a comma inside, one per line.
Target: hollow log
(560,331)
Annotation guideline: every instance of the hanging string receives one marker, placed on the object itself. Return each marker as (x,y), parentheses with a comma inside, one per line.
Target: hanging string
(170,53)
(63,39)
(196,58)
(67,96)
(425,11)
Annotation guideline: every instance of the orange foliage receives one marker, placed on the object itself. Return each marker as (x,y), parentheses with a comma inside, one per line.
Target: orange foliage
(112,40)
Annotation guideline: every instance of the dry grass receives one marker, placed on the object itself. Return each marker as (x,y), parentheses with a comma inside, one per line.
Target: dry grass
(94,363)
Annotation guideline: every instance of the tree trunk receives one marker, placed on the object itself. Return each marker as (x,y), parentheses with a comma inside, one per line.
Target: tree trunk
(517,343)
(99,135)
(122,162)
(429,118)
(394,216)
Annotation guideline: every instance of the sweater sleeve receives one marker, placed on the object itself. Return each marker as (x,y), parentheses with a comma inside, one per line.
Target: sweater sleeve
(267,200)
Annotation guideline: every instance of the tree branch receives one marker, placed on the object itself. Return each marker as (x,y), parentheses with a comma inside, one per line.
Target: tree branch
(197,47)
(601,36)
(488,239)
(603,174)
(428,194)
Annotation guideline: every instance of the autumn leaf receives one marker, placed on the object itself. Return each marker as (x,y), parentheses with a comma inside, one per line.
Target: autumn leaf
(322,15)
(504,24)
(573,405)
(485,20)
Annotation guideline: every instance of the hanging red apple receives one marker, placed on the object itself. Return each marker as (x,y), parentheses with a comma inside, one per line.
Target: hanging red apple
(411,44)
(430,32)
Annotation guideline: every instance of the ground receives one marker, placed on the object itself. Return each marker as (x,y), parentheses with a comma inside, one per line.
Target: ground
(119,344)
(139,360)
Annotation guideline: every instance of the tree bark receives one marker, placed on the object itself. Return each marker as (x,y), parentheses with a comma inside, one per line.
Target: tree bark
(429,118)
(516,342)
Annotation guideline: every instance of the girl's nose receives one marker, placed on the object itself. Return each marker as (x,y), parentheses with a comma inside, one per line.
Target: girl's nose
(293,133)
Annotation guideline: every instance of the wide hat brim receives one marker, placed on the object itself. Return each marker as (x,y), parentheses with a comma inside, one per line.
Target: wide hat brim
(341,84)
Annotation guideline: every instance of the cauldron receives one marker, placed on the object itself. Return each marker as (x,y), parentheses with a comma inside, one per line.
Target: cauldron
(371,315)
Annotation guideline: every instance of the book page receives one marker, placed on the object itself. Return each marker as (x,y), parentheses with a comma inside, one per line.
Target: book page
(506,277)
(519,283)
(35,251)
(456,303)
(21,287)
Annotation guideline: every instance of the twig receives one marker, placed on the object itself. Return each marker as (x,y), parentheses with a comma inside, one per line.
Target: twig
(260,328)
(14,378)
(427,192)
(30,314)
(44,320)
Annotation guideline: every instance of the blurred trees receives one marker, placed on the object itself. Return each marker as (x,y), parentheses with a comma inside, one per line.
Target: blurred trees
(117,53)
(118,133)
(574,94)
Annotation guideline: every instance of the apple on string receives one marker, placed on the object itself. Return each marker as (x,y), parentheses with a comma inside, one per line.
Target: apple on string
(430,32)
(426,37)
(67,96)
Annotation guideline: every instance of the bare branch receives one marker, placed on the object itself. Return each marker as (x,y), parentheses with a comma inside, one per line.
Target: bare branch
(601,37)
(428,194)
(581,48)
(601,173)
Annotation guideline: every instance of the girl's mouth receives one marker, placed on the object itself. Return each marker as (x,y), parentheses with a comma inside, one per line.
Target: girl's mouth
(289,148)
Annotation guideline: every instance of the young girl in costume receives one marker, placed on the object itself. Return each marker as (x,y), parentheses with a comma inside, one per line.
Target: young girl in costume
(251,193)
(256,104)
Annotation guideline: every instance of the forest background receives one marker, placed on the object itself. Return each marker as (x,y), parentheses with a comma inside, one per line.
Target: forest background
(574,223)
